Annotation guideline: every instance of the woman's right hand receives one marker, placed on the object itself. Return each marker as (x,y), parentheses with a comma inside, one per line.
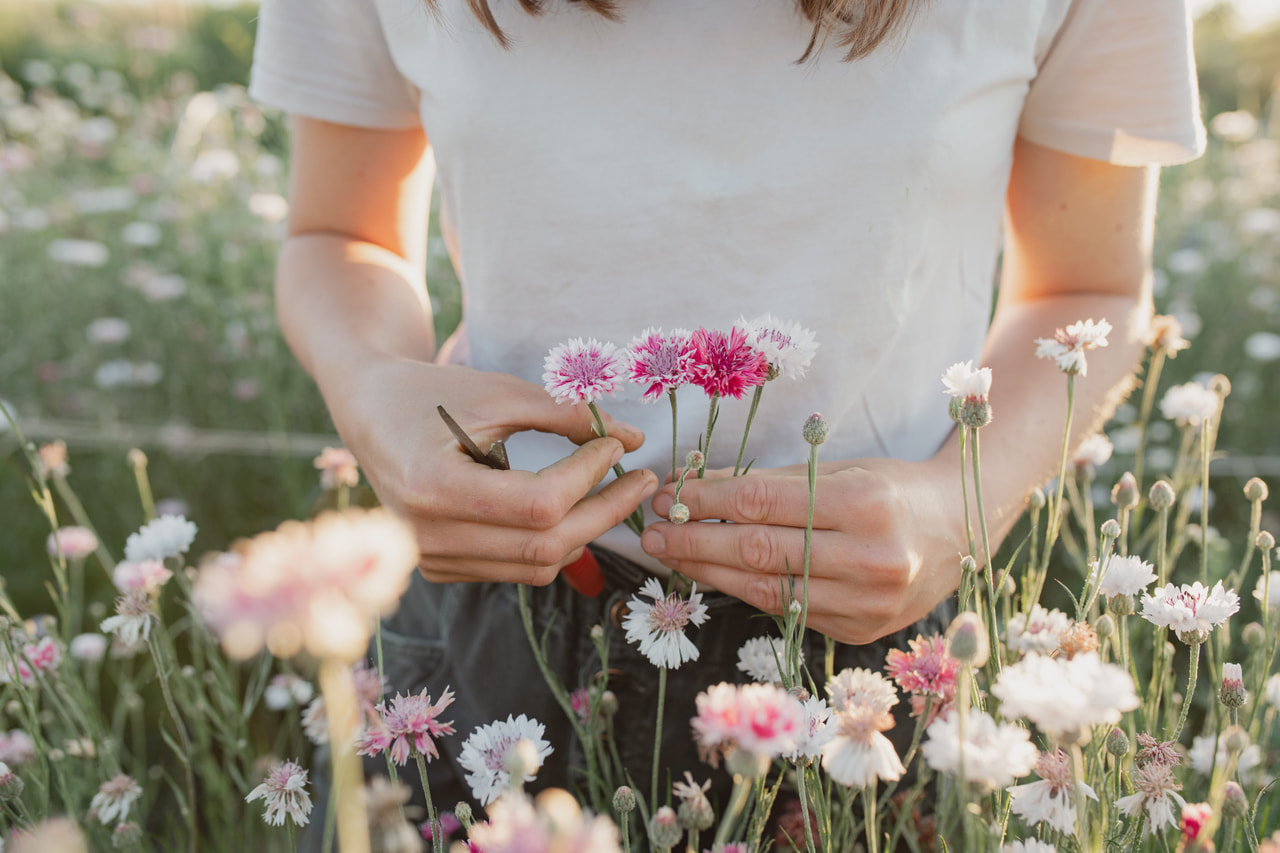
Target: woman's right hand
(472,522)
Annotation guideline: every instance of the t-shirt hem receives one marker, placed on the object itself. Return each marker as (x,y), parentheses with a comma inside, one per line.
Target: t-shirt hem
(1115,145)
(296,98)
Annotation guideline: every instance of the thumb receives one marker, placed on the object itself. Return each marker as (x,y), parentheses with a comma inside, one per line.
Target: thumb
(529,406)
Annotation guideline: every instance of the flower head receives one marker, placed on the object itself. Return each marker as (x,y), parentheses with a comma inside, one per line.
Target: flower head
(660,362)
(1192,611)
(1208,752)
(820,730)
(1189,403)
(1051,800)
(1030,845)
(658,628)
(1268,589)
(1123,576)
(578,372)
(53,459)
(1037,631)
(1164,334)
(552,822)
(1155,792)
(167,536)
(1093,452)
(132,622)
(484,755)
(337,467)
(1196,817)
(16,747)
(727,365)
(758,657)
(760,719)
(145,575)
(115,798)
(284,792)
(1068,346)
(695,809)
(994,754)
(287,690)
(412,722)
(1065,697)
(926,672)
(788,347)
(75,543)
(43,655)
(964,383)
(861,687)
(859,753)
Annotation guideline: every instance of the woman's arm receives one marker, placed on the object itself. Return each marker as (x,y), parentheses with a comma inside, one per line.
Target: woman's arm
(889,535)
(351,300)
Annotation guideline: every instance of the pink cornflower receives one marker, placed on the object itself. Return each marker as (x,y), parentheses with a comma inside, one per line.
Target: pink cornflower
(1068,346)
(726,365)
(412,722)
(854,687)
(580,701)
(75,543)
(660,362)
(283,793)
(578,372)
(1152,751)
(43,655)
(145,575)
(926,672)
(761,719)
(1155,791)
(337,467)
(53,459)
(1050,800)
(485,760)
(658,628)
(1196,817)
(859,754)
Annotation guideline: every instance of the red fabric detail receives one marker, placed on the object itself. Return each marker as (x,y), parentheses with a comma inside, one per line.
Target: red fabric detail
(584,575)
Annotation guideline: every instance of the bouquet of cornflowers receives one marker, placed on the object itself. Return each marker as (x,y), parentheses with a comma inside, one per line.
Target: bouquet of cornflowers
(1034,727)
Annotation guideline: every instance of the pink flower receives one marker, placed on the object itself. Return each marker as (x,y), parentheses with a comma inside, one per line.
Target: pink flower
(1155,792)
(1195,817)
(1051,799)
(145,575)
(726,365)
(76,543)
(577,372)
(927,671)
(1193,610)
(337,467)
(374,740)
(41,656)
(761,719)
(580,701)
(16,747)
(412,721)
(660,362)
(283,793)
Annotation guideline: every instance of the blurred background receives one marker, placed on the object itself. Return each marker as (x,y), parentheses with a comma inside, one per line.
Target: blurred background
(142,198)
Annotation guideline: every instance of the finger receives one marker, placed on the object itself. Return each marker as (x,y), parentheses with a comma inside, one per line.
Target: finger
(769,593)
(525,405)
(755,499)
(755,548)
(471,571)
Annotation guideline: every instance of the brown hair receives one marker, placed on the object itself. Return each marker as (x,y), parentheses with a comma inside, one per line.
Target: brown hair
(857,26)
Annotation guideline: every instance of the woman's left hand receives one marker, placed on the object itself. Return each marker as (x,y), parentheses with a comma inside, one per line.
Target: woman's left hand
(886,542)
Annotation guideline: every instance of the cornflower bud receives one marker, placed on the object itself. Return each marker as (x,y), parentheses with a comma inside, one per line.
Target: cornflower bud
(694,459)
(795,607)
(462,811)
(1121,605)
(1265,541)
(967,639)
(678,514)
(968,564)
(1161,496)
(137,459)
(10,785)
(815,429)
(1105,626)
(1117,742)
(1233,694)
(1125,492)
(1036,500)
(597,633)
(664,829)
(696,814)
(624,801)
(1253,634)
(1234,803)
(1235,739)
(1111,528)
(1255,490)
(126,835)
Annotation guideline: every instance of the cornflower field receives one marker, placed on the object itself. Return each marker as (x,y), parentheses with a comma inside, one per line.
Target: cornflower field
(1111,682)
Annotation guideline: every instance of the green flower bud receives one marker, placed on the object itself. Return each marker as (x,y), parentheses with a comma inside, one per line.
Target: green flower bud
(1265,541)
(815,429)
(624,801)
(678,514)
(1121,605)
(1125,492)
(10,785)
(1253,634)
(664,829)
(1255,490)
(1117,742)
(1161,496)
(1105,626)
(967,639)
(1036,500)
(462,811)
(694,459)
(126,835)
(1111,528)
(1235,804)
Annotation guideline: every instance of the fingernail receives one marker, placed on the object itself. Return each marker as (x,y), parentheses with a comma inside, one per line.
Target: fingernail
(662,503)
(650,486)
(653,543)
(617,455)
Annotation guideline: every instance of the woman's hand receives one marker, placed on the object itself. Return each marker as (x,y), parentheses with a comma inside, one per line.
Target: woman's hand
(886,541)
(475,523)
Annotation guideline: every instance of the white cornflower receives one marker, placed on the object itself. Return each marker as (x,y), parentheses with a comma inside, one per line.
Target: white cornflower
(88,647)
(1203,758)
(1067,346)
(1037,631)
(1123,576)
(1065,697)
(287,690)
(1031,845)
(115,798)
(859,753)
(1192,611)
(167,536)
(1050,800)
(1094,451)
(995,754)
(484,754)
(1189,403)
(788,347)
(1156,792)
(821,729)
(1268,587)
(283,793)
(962,381)
(852,688)
(132,622)
(658,628)
(1271,690)
(759,658)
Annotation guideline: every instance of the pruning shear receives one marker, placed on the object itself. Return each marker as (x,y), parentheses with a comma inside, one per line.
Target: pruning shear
(495,458)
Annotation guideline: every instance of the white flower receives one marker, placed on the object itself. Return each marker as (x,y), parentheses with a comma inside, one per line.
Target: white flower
(962,381)
(1031,845)
(788,347)
(1123,576)
(859,754)
(78,253)
(1050,800)
(108,330)
(88,647)
(1271,690)
(141,234)
(115,798)
(1037,632)
(1189,403)
(286,690)
(484,754)
(269,207)
(1191,610)
(167,536)
(1094,450)
(759,658)
(1156,794)
(284,792)
(1067,346)
(852,688)
(995,754)
(1203,758)
(132,622)
(1065,696)
(658,628)
(1268,587)
(821,729)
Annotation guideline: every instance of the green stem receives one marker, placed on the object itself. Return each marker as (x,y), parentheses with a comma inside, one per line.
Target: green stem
(437,843)
(657,739)
(738,799)
(1204,501)
(869,816)
(675,458)
(712,410)
(993,631)
(964,492)
(801,772)
(636,520)
(188,807)
(1191,690)
(751,416)
(1055,514)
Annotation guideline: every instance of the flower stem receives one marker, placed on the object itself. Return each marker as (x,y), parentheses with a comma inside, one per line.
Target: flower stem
(1204,501)
(675,457)
(437,842)
(657,738)
(751,416)
(869,817)
(636,520)
(801,772)
(712,411)
(1191,690)
(738,799)
(1055,509)
(986,548)
(166,689)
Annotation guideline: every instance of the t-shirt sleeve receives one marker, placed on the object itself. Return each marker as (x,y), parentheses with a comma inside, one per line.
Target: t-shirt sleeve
(328,59)
(1119,84)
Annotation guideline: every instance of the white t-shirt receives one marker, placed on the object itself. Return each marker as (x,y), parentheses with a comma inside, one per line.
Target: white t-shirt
(677,168)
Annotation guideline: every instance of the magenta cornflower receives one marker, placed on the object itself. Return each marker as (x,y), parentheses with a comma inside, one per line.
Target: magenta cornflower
(580,701)
(726,365)
(578,372)
(412,722)
(926,672)
(661,362)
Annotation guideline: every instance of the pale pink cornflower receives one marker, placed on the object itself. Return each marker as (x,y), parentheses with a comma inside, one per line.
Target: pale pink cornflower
(1065,697)
(758,657)
(1068,346)
(484,755)
(820,729)
(412,722)
(1164,334)
(1050,800)
(75,543)
(1122,576)
(861,687)
(1037,631)
(337,467)
(1092,452)
(580,702)
(761,719)
(660,362)
(53,459)
(1155,792)
(1192,611)
(132,622)
(658,628)
(692,796)
(284,793)
(788,347)
(552,822)
(578,372)
(114,799)
(994,754)
(926,672)
(145,575)
(859,754)
(963,382)
(16,747)
(369,688)
(1208,753)
(1189,403)
(725,365)
(1155,751)
(166,536)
